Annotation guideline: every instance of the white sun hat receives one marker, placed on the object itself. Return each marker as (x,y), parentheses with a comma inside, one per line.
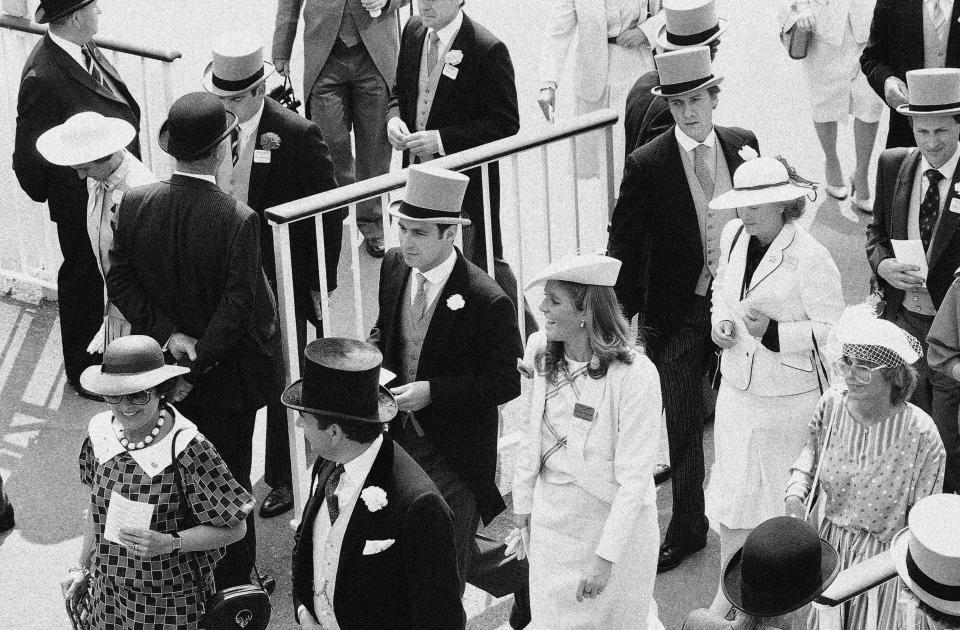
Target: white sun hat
(927,552)
(759,181)
(595,269)
(83,138)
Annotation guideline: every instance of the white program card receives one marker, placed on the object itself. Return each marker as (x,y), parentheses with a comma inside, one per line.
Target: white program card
(123,512)
(911,252)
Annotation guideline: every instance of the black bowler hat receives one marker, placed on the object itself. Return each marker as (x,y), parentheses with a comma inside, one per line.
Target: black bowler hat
(197,122)
(782,566)
(50,10)
(341,380)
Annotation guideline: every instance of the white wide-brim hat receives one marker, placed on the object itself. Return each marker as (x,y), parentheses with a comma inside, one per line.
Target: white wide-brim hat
(932,92)
(684,71)
(432,195)
(83,138)
(689,23)
(927,553)
(595,269)
(130,364)
(759,181)
(237,65)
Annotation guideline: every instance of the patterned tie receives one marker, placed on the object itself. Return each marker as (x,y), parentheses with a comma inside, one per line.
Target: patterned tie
(91,66)
(930,207)
(433,51)
(701,171)
(235,145)
(939,18)
(420,299)
(333,504)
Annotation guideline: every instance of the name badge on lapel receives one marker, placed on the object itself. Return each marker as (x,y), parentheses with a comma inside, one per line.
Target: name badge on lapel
(261,156)
(955,205)
(584,412)
(450,71)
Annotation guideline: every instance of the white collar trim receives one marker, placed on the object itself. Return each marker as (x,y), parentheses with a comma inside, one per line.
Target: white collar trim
(152,459)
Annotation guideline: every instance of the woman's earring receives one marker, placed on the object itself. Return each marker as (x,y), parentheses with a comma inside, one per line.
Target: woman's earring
(582,323)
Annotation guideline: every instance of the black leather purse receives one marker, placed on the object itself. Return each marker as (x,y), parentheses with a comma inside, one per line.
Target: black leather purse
(493,571)
(246,606)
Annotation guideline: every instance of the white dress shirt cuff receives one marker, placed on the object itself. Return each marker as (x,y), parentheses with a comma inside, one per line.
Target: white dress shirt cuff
(439,143)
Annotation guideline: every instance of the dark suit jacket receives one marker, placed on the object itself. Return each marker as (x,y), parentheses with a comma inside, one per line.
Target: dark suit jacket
(654,230)
(895,174)
(411,585)
(299,167)
(895,46)
(53,88)
(645,116)
(477,107)
(186,258)
(469,357)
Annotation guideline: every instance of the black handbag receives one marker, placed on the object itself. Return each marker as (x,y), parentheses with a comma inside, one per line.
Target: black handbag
(284,95)
(493,571)
(796,41)
(246,606)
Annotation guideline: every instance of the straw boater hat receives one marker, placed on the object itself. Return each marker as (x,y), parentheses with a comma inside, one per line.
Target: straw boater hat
(595,269)
(197,122)
(237,65)
(83,138)
(341,380)
(432,195)
(927,552)
(50,10)
(783,566)
(759,181)
(684,71)
(689,23)
(130,364)
(933,92)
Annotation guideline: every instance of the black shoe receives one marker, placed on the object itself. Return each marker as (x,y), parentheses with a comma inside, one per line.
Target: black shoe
(269,583)
(278,501)
(661,472)
(671,556)
(374,245)
(6,520)
(83,392)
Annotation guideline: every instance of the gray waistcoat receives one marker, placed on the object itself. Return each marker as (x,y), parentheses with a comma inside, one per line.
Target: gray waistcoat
(934,48)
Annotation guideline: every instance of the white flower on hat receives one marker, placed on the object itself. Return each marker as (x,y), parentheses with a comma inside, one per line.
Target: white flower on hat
(455,302)
(454,57)
(374,497)
(748,153)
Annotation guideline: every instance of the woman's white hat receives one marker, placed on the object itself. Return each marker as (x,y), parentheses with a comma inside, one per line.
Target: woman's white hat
(758,181)
(595,269)
(932,92)
(432,195)
(83,138)
(689,23)
(927,552)
(862,335)
(684,71)
(130,364)
(237,65)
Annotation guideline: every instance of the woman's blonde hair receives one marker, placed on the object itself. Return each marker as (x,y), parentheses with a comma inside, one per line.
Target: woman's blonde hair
(608,331)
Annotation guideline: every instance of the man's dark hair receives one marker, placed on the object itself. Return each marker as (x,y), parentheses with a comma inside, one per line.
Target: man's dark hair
(362,432)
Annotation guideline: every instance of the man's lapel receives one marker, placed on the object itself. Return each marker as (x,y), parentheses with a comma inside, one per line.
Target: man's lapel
(415,54)
(901,195)
(444,319)
(731,143)
(463,42)
(105,65)
(364,524)
(260,171)
(953,37)
(673,179)
(947,224)
(79,74)
(396,279)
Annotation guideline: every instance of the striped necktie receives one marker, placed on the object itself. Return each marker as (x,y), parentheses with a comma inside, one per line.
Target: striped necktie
(433,51)
(329,493)
(938,16)
(420,299)
(235,145)
(91,66)
(701,171)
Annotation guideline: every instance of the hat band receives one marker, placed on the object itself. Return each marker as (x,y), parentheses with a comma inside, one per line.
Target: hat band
(939,590)
(932,108)
(235,86)
(696,38)
(670,89)
(418,212)
(762,186)
(132,367)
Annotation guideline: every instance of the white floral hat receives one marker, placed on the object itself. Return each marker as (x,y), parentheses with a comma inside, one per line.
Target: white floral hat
(595,269)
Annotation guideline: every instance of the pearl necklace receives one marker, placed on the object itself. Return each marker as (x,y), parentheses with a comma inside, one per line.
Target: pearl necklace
(125,443)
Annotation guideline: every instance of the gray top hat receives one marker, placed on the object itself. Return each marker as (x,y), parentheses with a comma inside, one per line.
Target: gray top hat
(690,23)
(933,92)
(684,71)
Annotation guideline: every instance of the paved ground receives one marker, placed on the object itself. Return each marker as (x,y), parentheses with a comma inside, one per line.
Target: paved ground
(41,425)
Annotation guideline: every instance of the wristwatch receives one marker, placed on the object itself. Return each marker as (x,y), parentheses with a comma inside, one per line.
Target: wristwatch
(177,542)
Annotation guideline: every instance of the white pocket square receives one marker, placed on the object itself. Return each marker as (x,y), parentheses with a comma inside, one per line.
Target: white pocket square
(376,546)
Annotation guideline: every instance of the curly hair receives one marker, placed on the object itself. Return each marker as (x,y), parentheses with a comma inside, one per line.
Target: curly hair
(608,331)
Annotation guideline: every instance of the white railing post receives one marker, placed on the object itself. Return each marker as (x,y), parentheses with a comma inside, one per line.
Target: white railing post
(545,162)
(487,216)
(355,240)
(521,320)
(324,286)
(146,136)
(611,175)
(574,182)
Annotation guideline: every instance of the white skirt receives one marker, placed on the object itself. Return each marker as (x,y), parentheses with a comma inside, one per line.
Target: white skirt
(565,528)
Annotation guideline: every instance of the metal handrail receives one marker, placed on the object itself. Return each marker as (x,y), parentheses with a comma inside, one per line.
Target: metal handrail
(25,25)
(338,197)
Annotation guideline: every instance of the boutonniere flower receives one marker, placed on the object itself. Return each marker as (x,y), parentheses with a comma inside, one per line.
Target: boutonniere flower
(374,497)
(748,153)
(269,141)
(455,302)
(454,57)
(956,187)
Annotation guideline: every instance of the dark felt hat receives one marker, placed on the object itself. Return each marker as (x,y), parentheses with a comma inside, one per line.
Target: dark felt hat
(130,364)
(341,380)
(782,566)
(197,122)
(50,10)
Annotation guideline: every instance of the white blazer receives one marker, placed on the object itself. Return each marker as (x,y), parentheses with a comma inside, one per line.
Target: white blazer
(587,19)
(613,455)
(798,285)
(831,17)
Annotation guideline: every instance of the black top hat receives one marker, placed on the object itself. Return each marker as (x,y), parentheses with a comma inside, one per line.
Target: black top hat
(341,380)
(782,566)
(50,10)
(197,122)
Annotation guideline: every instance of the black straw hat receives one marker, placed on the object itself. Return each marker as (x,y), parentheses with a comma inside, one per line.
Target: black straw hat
(50,10)
(782,566)
(341,380)
(197,122)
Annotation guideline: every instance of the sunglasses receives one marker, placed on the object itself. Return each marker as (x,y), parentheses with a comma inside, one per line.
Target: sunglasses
(860,373)
(140,398)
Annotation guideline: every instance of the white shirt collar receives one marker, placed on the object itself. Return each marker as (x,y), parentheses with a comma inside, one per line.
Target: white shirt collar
(448,32)
(357,469)
(210,178)
(439,274)
(249,127)
(689,144)
(74,50)
(947,169)
(154,458)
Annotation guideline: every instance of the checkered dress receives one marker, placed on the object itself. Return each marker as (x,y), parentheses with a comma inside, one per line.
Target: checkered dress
(161,591)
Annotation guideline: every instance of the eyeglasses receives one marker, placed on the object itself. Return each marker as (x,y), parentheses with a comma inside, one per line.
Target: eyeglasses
(860,373)
(140,398)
